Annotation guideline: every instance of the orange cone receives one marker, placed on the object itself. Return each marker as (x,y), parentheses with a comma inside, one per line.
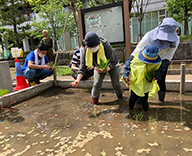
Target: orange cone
(21,82)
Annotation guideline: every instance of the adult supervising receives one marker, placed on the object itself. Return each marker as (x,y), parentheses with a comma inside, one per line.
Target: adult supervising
(167,41)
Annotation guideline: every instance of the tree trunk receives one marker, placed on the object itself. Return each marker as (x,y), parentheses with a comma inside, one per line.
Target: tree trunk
(15,32)
(76,24)
(140,19)
(186,29)
(55,41)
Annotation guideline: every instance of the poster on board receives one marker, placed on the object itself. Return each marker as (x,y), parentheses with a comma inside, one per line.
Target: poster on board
(107,21)
(93,21)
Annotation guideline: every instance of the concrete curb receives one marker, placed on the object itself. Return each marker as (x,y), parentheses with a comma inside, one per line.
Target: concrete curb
(26,93)
(177,71)
(35,90)
(175,85)
(170,84)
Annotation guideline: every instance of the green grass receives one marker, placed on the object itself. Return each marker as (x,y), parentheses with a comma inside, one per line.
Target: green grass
(62,71)
(117,45)
(186,38)
(3,91)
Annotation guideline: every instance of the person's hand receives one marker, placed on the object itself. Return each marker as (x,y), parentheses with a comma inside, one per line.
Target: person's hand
(51,69)
(90,68)
(47,67)
(127,86)
(74,83)
(127,81)
(101,70)
(154,79)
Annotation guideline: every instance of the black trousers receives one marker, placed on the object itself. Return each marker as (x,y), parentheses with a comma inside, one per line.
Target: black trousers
(161,82)
(134,98)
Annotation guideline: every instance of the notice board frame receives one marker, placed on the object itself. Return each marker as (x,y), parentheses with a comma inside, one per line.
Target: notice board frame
(126,27)
(87,10)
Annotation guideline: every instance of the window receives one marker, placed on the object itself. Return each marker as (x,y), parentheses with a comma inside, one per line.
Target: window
(162,15)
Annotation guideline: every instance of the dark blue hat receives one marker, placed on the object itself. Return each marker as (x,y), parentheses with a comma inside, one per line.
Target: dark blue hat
(149,55)
(92,39)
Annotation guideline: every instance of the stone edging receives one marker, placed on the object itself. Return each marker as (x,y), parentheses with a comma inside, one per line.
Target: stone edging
(30,92)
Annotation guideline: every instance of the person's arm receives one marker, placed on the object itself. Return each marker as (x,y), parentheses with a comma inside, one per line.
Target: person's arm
(74,68)
(110,55)
(171,51)
(74,61)
(83,67)
(77,81)
(139,47)
(33,66)
(127,68)
(144,41)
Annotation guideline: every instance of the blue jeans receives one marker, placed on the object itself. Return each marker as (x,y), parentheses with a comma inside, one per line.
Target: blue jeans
(36,73)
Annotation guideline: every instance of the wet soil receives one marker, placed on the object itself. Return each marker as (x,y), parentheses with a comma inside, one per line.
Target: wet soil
(57,123)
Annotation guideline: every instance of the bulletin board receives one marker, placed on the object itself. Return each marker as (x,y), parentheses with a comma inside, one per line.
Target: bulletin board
(107,21)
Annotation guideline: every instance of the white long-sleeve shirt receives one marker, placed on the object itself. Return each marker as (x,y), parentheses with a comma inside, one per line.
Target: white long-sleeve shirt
(163,53)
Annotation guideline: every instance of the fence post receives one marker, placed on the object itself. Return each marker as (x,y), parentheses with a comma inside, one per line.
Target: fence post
(182,81)
(55,76)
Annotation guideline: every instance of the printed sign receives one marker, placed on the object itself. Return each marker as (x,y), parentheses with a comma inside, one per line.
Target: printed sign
(94,21)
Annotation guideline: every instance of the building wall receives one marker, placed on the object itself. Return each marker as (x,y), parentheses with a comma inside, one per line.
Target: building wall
(155,13)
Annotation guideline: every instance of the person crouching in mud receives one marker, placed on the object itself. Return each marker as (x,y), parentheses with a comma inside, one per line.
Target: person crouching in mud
(97,51)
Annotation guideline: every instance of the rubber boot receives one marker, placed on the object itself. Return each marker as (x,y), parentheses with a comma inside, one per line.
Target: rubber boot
(95,100)
(120,96)
(161,95)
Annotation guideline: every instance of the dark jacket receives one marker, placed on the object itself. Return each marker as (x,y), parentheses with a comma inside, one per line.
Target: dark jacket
(109,53)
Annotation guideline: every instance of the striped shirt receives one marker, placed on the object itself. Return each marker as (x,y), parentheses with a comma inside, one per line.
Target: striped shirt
(77,57)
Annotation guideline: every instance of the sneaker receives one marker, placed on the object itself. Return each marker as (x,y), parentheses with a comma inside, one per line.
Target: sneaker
(31,83)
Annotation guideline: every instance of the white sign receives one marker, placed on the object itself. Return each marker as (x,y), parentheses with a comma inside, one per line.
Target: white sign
(94,21)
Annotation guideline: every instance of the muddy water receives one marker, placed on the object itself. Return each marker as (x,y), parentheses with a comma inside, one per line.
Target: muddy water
(57,123)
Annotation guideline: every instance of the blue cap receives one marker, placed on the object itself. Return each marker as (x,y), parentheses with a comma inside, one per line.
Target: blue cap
(149,55)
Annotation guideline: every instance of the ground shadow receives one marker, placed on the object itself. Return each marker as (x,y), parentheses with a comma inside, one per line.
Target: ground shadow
(54,91)
(11,115)
(178,112)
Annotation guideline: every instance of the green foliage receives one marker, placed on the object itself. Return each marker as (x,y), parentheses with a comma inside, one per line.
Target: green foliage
(11,15)
(150,75)
(118,45)
(54,15)
(139,116)
(103,65)
(3,91)
(180,10)
(186,38)
(62,71)
(94,3)
(51,64)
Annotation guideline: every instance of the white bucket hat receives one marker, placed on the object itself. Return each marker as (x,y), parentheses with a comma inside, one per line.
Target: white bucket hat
(167,30)
(164,33)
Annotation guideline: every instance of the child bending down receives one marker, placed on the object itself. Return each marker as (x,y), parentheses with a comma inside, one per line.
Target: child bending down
(140,78)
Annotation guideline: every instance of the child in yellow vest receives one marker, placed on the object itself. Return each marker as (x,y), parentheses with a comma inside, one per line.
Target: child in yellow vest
(141,81)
